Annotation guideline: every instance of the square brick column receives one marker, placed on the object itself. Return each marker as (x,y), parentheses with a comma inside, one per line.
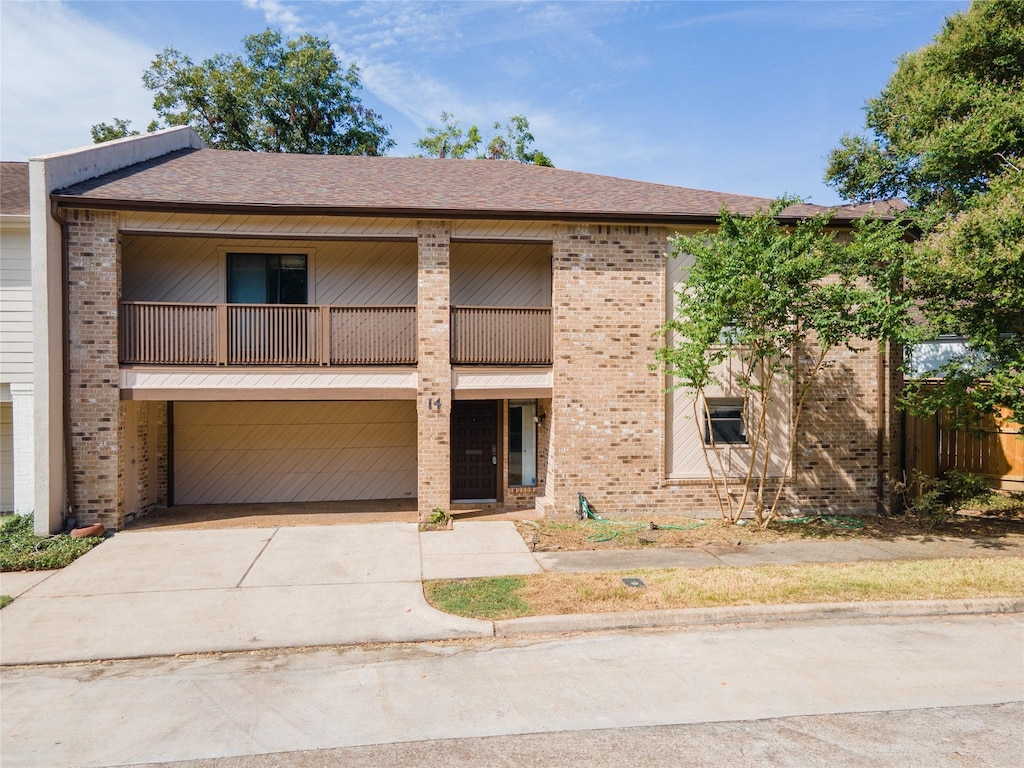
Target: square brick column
(94,287)
(607,407)
(433,403)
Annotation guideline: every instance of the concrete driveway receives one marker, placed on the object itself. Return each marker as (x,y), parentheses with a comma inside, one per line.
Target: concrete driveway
(149,593)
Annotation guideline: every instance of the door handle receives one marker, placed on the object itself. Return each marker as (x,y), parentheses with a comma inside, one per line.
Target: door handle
(494,459)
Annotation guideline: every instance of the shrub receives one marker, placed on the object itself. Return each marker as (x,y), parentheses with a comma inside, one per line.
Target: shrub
(942,497)
(22,550)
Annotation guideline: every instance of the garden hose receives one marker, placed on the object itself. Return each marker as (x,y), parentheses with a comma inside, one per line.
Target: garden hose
(588,514)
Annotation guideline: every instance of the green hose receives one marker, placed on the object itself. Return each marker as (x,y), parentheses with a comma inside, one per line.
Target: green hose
(596,538)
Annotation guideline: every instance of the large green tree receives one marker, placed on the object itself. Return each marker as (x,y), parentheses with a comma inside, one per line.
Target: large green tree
(277,96)
(512,142)
(950,118)
(947,135)
(968,277)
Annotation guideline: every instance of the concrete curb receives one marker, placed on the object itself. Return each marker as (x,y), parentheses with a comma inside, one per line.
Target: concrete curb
(597,622)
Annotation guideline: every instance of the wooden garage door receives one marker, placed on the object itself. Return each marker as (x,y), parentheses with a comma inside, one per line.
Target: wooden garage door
(6,459)
(259,452)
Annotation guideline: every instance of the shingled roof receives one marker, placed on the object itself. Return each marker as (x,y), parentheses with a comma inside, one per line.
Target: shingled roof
(247,182)
(14,189)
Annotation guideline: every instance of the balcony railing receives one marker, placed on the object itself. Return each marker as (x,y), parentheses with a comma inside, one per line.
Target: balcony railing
(501,335)
(266,334)
(156,333)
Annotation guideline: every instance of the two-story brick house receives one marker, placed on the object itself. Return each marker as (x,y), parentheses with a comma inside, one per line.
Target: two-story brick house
(228,327)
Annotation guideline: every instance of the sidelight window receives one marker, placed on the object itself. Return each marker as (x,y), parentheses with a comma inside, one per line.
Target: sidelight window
(522,443)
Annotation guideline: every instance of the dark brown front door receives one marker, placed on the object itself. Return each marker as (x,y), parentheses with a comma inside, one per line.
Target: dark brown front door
(474,449)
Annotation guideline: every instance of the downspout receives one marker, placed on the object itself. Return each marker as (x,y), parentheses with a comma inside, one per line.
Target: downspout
(59,216)
(880,433)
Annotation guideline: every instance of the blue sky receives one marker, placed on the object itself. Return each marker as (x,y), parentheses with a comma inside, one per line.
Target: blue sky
(744,97)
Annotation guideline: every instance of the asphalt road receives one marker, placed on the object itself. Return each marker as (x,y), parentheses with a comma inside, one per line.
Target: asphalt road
(981,737)
(937,691)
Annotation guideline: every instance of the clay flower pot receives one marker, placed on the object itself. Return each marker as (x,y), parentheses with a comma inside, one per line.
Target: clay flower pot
(96,529)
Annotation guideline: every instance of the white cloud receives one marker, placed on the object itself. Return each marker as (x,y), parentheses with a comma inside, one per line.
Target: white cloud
(278,14)
(61,73)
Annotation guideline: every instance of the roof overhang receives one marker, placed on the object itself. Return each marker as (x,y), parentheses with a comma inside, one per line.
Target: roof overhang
(611,217)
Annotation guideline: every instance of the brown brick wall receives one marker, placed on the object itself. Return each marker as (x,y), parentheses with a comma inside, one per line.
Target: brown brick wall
(94,273)
(608,408)
(433,402)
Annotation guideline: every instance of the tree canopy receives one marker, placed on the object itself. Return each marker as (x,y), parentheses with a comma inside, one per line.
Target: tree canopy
(278,96)
(968,279)
(119,129)
(950,118)
(513,142)
(947,134)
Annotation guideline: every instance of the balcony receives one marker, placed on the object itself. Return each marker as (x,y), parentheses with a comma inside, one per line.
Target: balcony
(501,336)
(153,333)
(158,333)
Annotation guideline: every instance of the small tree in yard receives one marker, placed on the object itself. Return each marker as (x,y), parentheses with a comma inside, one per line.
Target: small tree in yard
(761,295)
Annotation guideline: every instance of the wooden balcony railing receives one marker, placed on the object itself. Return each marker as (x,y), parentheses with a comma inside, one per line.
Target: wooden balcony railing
(501,335)
(266,334)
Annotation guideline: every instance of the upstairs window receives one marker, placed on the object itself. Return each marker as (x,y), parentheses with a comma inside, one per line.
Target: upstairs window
(267,278)
(723,421)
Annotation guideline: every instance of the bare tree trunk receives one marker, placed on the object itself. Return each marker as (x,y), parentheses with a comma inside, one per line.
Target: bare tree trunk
(707,461)
(793,437)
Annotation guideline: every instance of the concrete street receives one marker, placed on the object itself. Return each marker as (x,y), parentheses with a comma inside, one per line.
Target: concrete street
(267,702)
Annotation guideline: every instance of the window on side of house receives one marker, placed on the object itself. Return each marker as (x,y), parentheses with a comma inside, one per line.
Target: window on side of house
(267,278)
(522,443)
(723,420)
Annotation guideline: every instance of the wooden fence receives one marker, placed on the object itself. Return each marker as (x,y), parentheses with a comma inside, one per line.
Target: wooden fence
(933,447)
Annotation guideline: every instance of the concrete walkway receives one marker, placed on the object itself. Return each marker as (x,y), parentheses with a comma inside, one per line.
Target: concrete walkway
(152,593)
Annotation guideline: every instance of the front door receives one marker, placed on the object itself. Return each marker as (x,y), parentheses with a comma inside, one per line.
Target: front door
(474,450)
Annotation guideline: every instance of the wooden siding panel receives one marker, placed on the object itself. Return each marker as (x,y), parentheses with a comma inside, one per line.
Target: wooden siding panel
(501,230)
(259,452)
(172,269)
(193,269)
(6,458)
(500,275)
(365,273)
(320,226)
(684,451)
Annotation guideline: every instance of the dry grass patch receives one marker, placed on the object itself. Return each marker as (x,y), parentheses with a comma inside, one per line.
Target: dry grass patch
(682,532)
(567,593)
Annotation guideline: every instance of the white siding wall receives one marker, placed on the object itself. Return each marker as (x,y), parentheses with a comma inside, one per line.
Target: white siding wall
(15,304)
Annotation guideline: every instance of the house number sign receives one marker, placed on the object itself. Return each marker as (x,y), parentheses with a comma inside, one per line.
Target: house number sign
(434,403)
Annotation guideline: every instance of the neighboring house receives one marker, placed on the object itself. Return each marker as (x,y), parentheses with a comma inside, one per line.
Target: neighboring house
(246,328)
(16,486)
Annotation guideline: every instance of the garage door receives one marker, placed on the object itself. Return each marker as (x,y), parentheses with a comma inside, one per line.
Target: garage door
(260,452)
(6,459)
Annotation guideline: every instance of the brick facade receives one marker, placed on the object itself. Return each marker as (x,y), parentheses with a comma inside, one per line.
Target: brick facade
(434,388)
(605,424)
(608,410)
(94,276)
